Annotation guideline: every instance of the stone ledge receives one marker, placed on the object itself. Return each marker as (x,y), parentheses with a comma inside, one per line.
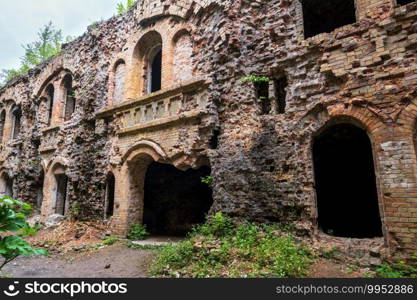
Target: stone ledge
(47,149)
(161,122)
(51,128)
(162,94)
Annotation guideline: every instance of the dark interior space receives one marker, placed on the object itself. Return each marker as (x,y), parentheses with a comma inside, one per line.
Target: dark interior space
(110,190)
(345,183)
(70,97)
(405,2)
(175,200)
(326,15)
(61,193)
(39,191)
(262,93)
(156,72)
(9,186)
(50,90)
(281,94)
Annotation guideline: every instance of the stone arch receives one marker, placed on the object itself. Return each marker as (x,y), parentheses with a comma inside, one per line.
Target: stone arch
(182,56)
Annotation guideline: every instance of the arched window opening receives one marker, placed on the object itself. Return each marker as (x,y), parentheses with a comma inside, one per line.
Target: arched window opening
(110,193)
(16,122)
(155,71)
(119,82)
(9,187)
(50,92)
(69,97)
(347,197)
(2,124)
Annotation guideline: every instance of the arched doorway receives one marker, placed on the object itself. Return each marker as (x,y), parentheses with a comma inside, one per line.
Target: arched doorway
(175,200)
(347,198)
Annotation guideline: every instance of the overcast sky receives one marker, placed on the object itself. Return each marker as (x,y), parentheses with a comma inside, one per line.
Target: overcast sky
(20,21)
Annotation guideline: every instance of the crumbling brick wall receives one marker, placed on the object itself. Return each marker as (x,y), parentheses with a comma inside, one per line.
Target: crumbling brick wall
(262,164)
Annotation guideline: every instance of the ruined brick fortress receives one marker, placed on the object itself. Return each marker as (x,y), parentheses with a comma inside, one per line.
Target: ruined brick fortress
(123,124)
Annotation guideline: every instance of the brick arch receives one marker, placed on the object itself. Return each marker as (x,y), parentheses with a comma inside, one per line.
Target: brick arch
(367,121)
(137,83)
(147,147)
(129,183)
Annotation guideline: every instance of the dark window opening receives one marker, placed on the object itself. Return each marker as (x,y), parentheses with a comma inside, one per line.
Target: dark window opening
(322,16)
(280,85)
(175,201)
(262,93)
(156,72)
(110,190)
(70,98)
(346,189)
(50,91)
(17,116)
(61,193)
(2,124)
(214,141)
(405,2)
(9,187)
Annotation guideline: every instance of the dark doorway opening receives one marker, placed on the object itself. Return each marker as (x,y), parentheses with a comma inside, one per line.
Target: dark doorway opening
(110,190)
(175,200)
(347,196)
(156,72)
(61,194)
(322,16)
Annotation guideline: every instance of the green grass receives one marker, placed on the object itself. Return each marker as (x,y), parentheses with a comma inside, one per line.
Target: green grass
(399,269)
(220,248)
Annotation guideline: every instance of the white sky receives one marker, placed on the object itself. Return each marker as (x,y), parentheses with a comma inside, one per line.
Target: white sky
(20,21)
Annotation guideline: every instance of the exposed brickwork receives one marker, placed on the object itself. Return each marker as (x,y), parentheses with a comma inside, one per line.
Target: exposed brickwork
(364,73)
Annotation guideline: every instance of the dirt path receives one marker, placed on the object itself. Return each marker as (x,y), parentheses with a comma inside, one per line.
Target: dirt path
(117,261)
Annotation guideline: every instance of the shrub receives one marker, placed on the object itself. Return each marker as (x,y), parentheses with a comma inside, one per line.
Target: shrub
(221,249)
(137,232)
(13,215)
(110,241)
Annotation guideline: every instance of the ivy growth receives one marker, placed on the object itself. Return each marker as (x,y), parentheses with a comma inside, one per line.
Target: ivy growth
(255,79)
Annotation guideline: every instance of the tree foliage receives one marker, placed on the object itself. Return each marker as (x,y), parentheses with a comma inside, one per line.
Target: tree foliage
(13,215)
(124,8)
(47,45)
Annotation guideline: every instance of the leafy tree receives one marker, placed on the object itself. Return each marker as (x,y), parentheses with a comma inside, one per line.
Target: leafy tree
(123,8)
(13,215)
(48,44)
